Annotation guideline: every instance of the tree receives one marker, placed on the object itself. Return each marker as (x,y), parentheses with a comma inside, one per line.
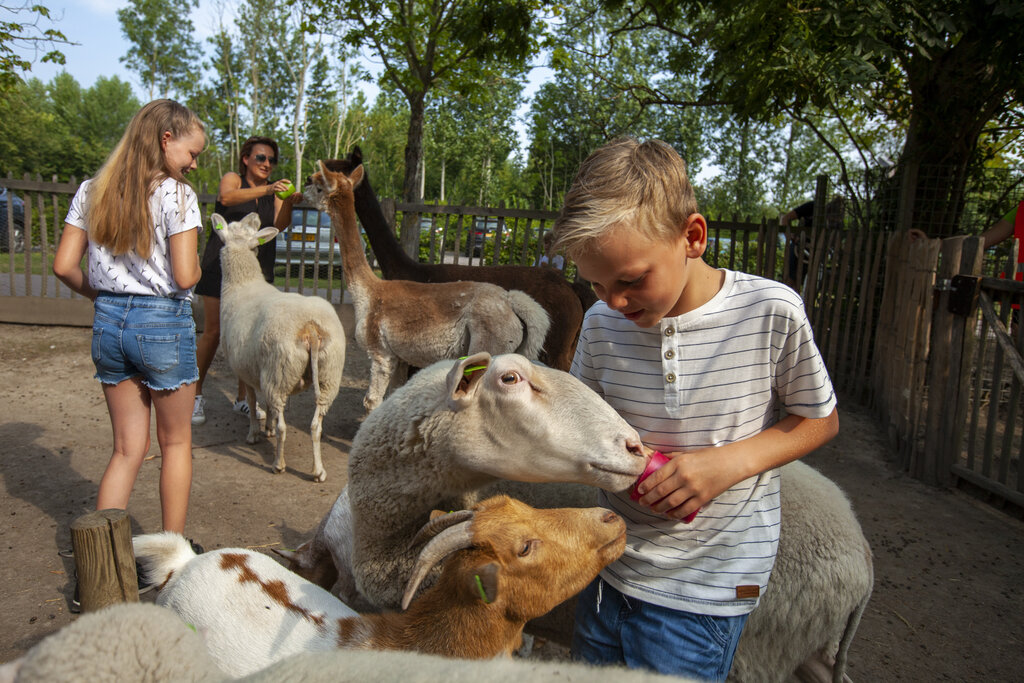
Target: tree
(940,71)
(162,50)
(423,45)
(27,35)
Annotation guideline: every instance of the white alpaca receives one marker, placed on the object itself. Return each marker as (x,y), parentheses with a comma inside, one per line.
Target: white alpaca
(402,323)
(278,343)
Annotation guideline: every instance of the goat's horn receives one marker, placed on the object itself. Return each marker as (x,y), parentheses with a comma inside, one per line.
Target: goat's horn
(441,546)
(439,524)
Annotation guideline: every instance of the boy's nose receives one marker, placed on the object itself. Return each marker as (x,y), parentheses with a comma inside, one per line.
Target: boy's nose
(616,301)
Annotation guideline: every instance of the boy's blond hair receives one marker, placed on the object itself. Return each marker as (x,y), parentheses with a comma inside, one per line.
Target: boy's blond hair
(641,185)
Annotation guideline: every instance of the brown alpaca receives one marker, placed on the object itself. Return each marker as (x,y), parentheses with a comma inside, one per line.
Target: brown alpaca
(565,301)
(402,323)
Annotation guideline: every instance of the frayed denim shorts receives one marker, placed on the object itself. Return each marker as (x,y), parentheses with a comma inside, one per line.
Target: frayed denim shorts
(151,337)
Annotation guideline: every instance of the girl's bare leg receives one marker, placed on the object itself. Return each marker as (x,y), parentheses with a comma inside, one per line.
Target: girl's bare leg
(174,434)
(128,404)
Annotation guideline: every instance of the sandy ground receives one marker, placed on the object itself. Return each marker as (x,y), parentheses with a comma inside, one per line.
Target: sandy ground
(948,568)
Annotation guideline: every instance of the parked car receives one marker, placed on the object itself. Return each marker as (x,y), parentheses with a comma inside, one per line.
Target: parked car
(482,230)
(19,220)
(309,235)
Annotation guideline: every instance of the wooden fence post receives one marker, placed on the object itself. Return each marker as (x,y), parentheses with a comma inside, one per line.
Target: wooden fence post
(104,559)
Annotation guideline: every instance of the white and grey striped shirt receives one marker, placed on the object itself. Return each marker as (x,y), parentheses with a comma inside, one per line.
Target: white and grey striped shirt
(709,377)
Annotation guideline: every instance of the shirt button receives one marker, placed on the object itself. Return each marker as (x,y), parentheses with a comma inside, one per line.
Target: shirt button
(669,331)
(670,377)
(670,354)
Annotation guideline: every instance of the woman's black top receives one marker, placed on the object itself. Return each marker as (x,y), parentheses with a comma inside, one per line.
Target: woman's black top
(209,283)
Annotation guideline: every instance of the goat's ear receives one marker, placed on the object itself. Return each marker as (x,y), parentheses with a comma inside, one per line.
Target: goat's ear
(355,157)
(218,223)
(266,234)
(465,377)
(482,582)
(356,176)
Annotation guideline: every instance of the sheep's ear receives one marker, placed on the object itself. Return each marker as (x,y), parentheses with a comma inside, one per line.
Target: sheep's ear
(218,223)
(356,176)
(266,234)
(465,377)
(482,582)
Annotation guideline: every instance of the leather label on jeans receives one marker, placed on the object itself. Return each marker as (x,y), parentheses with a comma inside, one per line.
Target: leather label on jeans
(747,592)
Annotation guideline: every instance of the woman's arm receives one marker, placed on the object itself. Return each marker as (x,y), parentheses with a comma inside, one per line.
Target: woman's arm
(184,252)
(691,479)
(283,210)
(231,192)
(67,262)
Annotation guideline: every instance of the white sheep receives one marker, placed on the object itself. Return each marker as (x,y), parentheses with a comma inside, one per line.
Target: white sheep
(278,343)
(402,323)
(143,642)
(440,441)
(819,588)
(503,564)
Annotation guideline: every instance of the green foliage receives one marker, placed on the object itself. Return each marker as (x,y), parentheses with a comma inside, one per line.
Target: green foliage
(160,32)
(62,129)
(17,37)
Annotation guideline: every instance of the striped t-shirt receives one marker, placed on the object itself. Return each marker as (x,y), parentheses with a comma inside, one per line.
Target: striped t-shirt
(709,377)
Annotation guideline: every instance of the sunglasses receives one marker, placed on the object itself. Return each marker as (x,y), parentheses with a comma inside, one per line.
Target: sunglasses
(260,158)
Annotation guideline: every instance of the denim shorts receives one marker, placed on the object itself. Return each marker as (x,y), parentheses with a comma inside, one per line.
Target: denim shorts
(612,628)
(149,336)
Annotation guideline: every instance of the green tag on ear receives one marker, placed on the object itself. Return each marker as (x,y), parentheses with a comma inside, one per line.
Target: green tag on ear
(261,241)
(480,587)
(472,368)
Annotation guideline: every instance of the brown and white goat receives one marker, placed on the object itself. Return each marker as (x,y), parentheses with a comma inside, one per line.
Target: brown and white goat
(504,563)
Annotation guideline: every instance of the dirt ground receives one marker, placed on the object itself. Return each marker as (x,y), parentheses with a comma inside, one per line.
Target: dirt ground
(947,602)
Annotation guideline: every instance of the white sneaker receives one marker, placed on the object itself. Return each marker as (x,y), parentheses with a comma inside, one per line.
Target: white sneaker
(242,406)
(198,411)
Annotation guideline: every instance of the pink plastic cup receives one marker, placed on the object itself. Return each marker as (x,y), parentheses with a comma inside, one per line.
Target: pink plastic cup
(656,461)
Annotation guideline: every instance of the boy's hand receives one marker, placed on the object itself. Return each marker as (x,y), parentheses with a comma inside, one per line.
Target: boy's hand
(685,483)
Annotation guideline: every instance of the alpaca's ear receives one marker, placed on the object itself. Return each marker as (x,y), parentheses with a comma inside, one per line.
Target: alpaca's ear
(465,378)
(328,180)
(356,176)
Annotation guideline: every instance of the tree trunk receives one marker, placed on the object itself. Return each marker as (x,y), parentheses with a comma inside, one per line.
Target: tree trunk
(410,236)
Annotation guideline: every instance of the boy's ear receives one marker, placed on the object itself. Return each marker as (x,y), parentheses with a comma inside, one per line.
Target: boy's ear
(695,231)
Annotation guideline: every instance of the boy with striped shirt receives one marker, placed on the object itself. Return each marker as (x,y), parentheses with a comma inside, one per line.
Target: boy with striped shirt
(700,361)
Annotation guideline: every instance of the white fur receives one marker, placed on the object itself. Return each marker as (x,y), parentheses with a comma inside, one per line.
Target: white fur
(251,610)
(278,343)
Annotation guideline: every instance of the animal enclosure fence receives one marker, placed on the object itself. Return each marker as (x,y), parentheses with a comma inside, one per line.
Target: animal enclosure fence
(948,382)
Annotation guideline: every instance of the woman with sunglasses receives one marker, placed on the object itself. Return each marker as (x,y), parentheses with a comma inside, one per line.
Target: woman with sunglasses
(241,193)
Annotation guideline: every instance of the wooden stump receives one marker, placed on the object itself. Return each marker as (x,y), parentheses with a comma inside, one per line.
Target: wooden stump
(104,559)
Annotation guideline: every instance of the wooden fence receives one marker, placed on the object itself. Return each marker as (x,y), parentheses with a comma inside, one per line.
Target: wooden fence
(906,327)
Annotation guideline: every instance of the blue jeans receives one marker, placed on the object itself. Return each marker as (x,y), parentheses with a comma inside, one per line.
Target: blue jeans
(624,630)
(149,336)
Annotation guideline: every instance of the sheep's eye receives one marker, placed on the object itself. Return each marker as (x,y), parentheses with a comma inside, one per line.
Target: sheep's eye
(510,377)
(526,549)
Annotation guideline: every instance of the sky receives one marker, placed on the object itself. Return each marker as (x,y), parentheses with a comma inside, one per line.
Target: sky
(94,26)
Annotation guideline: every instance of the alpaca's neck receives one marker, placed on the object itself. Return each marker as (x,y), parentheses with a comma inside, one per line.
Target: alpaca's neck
(392,259)
(341,208)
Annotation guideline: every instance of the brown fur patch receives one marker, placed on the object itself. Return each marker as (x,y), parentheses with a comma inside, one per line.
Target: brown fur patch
(275,589)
